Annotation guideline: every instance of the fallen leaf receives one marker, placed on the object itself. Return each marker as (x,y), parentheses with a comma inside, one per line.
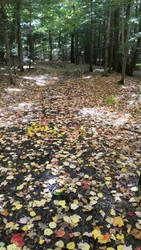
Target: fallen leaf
(136,233)
(48,232)
(70,245)
(118,221)
(59,243)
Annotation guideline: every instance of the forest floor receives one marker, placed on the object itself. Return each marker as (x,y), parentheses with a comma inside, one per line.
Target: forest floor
(70,145)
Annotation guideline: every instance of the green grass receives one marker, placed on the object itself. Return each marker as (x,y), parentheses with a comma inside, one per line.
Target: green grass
(111,100)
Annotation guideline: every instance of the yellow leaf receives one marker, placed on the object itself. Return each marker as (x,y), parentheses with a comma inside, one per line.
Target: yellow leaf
(107,178)
(100,195)
(67,219)
(110,248)
(20,187)
(55,218)
(113,213)
(75,220)
(120,237)
(103,239)
(32,213)
(25,228)
(59,243)
(85,246)
(96,233)
(13,247)
(19,206)
(118,221)
(12,226)
(41,242)
(9,177)
(70,245)
(48,232)
(62,203)
(120,247)
(124,170)
(52,225)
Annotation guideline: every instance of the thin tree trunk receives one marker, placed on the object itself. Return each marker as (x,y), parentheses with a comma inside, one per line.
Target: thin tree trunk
(4,19)
(19,40)
(107,41)
(50,45)
(91,39)
(72,48)
(125,38)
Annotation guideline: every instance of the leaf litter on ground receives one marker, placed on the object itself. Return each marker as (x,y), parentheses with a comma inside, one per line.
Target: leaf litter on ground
(68,169)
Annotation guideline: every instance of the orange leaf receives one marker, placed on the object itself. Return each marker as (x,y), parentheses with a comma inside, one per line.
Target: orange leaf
(107,236)
(4,213)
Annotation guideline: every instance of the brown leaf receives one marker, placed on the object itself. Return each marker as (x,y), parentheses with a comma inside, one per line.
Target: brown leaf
(136,233)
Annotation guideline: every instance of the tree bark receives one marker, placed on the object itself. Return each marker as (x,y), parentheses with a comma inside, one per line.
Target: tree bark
(107,40)
(72,48)
(19,40)
(116,38)
(50,46)
(125,38)
(4,20)
(77,48)
(91,38)
(136,51)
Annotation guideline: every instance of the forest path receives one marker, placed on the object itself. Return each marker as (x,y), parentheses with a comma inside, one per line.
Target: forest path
(69,171)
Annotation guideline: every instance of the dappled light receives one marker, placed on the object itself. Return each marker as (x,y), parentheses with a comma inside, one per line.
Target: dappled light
(106,116)
(40,80)
(70,158)
(14,90)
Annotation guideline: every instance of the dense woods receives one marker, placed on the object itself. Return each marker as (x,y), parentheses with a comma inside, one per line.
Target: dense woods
(105,33)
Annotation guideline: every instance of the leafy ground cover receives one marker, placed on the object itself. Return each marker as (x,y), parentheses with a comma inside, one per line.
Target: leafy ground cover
(70,161)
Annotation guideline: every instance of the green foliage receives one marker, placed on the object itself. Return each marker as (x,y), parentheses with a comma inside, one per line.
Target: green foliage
(111,100)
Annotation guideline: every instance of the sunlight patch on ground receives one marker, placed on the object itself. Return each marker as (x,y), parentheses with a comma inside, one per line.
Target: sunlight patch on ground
(102,114)
(13,90)
(40,80)
(2,68)
(98,70)
(24,106)
(16,114)
(86,77)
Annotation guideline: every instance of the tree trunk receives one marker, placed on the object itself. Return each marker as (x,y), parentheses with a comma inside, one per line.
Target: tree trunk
(50,46)
(19,40)
(76,48)
(107,41)
(91,39)
(116,38)
(4,20)
(135,55)
(125,38)
(72,48)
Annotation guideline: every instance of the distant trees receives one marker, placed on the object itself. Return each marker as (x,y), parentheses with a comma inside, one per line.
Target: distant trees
(105,33)
(6,38)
